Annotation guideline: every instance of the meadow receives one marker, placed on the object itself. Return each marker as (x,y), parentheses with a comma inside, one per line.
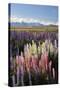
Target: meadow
(33,55)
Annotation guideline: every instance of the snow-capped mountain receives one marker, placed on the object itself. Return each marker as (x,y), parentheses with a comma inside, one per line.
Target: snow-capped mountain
(25,24)
(28,22)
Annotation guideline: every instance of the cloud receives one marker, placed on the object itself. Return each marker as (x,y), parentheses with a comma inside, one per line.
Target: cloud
(32,20)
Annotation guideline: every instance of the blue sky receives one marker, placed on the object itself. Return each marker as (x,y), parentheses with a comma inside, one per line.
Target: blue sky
(46,13)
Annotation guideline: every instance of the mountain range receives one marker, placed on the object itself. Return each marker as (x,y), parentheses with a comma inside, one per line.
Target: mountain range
(25,24)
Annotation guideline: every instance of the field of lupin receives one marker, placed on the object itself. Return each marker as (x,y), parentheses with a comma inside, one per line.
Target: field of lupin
(33,58)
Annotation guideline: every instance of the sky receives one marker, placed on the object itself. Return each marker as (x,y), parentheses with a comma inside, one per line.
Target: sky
(34,13)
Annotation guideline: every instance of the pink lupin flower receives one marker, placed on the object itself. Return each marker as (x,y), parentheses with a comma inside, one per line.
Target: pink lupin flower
(50,64)
(40,65)
(34,63)
(46,60)
(17,59)
(17,62)
(21,62)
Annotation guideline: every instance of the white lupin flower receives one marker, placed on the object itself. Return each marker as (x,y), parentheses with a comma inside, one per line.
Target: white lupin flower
(30,48)
(55,51)
(43,48)
(48,47)
(34,48)
(51,48)
(53,71)
(46,42)
(55,43)
(25,50)
(39,50)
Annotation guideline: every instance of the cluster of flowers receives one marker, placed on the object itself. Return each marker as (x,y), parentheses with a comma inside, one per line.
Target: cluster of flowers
(36,65)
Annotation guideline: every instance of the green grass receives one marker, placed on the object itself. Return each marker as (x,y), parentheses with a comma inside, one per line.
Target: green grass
(49,28)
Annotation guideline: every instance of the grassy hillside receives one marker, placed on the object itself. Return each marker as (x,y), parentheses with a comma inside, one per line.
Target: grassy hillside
(38,29)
